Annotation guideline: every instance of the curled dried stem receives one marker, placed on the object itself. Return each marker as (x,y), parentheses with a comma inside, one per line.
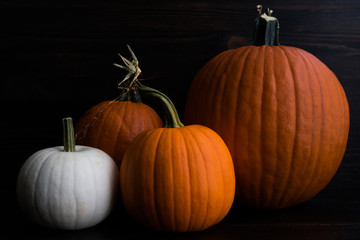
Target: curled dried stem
(133,69)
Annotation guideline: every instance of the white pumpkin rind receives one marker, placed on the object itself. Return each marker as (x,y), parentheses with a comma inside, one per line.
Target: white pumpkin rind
(68,190)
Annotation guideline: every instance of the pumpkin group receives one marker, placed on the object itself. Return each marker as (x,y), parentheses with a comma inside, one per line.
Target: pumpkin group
(282,113)
(177,178)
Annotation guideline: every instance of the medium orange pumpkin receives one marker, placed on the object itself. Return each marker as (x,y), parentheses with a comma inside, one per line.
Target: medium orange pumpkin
(112,125)
(177,178)
(282,113)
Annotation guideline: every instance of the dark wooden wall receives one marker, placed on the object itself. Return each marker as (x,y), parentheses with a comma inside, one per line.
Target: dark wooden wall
(56,58)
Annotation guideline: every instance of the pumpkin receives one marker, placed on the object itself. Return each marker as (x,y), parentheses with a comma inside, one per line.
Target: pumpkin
(70,187)
(112,125)
(282,113)
(177,178)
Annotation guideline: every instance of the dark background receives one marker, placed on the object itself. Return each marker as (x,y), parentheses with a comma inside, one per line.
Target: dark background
(56,61)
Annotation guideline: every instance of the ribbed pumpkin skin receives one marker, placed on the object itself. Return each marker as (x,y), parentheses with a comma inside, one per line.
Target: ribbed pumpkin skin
(68,190)
(178,179)
(283,115)
(112,125)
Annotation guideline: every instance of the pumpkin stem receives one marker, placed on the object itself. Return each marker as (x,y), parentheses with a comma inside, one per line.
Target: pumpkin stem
(171,117)
(127,87)
(68,135)
(266,28)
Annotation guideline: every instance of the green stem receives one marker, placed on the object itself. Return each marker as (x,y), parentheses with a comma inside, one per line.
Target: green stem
(171,117)
(266,29)
(68,135)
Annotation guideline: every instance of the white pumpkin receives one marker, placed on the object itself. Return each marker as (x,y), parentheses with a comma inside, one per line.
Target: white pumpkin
(68,189)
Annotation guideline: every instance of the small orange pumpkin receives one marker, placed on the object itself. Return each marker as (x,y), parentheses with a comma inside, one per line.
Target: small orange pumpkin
(177,178)
(282,113)
(112,125)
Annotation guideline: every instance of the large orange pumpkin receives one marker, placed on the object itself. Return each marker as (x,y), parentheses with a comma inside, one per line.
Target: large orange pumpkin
(112,125)
(177,178)
(282,113)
